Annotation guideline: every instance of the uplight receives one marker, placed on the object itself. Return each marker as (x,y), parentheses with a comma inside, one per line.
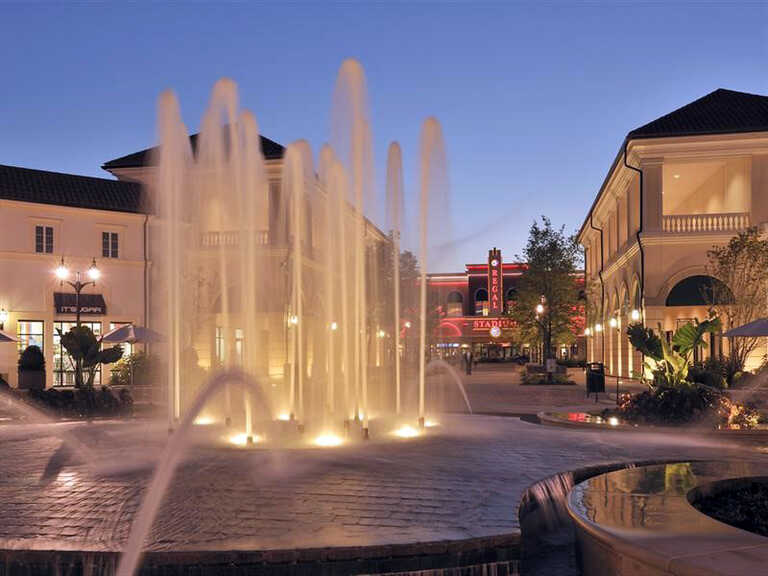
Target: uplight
(431,424)
(328,440)
(242,439)
(406,432)
(284,416)
(204,421)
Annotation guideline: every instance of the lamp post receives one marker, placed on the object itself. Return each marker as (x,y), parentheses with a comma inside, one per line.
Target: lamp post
(62,273)
(545,325)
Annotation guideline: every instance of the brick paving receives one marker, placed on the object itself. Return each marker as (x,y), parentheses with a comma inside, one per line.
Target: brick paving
(464,480)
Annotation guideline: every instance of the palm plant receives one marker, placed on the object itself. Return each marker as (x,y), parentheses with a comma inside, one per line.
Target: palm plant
(666,363)
(85,351)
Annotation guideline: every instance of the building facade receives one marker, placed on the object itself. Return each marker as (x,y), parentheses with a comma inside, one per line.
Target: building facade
(47,218)
(679,185)
(474,309)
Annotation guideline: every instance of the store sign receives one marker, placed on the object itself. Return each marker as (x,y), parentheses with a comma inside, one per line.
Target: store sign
(483,324)
(90,304)
(495,283)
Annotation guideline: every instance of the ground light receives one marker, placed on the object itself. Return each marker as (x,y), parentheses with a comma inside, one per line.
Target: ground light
(406,432)
(242,439)
(431,424)
(284,416)
(204,421)
(328,440)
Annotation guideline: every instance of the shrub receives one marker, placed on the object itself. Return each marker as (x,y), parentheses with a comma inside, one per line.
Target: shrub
(678,405)
(32,359)
(138,369)
(84,402)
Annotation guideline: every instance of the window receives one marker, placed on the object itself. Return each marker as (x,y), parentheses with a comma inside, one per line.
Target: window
(239,346)
(109,244)
(30,333)
(455,303)
(481,302)
(63,368)
(709,187)
(219,345)
(44,239)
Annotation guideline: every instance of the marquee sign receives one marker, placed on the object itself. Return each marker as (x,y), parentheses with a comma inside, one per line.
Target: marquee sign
(482,324)
(495,283)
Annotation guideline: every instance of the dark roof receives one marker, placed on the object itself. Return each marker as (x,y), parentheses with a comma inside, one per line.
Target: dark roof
(271,150)
(719,112)
(41,187)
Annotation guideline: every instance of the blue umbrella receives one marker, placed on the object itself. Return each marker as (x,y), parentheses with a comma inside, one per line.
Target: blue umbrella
(130,334)
(753,329)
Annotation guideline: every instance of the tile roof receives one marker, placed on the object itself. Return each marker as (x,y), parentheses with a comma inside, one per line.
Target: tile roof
(42,187)
(719,112)
(271,150)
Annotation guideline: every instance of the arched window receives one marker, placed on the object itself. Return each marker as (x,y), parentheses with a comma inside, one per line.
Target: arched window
(481,302)
(699,291)
(455,304)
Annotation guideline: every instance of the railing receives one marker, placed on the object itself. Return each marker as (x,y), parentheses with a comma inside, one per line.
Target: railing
(230,238)
(691,223)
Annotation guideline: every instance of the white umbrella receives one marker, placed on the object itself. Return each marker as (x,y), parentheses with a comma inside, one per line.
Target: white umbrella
(5,337)
(130,334)
(753,329)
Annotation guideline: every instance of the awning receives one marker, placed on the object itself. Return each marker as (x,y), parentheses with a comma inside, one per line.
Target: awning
(66,303)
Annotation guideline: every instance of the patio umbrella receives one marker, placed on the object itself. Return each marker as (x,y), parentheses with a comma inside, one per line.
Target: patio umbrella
(5,337)
(753,329)
(130,334)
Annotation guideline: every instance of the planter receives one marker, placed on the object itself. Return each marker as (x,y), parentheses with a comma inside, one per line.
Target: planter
(31,379)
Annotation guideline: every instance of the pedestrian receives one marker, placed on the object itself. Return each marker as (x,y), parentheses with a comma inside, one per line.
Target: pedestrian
(469,362)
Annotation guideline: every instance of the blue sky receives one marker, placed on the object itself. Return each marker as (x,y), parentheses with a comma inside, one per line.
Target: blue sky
(534,99)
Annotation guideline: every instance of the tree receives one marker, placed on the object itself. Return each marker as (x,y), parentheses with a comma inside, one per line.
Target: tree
(741,296)
(86,354)
(552,259)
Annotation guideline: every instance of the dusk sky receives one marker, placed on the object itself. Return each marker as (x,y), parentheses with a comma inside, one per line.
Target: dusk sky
(534,99)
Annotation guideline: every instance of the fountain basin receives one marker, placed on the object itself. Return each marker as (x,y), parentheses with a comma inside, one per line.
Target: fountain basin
(640,521)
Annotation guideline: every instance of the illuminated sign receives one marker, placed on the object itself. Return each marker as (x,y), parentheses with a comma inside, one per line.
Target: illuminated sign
(495,331)
(491,323)
(495,283)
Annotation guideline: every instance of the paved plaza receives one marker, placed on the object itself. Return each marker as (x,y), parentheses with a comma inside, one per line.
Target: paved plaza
(464,479)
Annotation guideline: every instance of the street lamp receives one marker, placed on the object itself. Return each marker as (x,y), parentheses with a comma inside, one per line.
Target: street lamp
(635,315)
(62,273)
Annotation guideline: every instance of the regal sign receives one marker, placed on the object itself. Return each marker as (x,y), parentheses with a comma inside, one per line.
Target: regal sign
(495,283)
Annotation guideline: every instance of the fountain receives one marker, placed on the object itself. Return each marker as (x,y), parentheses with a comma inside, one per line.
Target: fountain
(278,270)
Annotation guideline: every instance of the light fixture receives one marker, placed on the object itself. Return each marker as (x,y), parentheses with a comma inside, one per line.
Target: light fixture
(62,272)
(635,315)
(676,176)
(334,326)
(598,327)
(381,334)
(613,323)
(293,319)
(93,272)
(3,318)
(407,323)
(539,308)
(587,331)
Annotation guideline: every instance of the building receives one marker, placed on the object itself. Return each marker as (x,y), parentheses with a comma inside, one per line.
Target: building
(679,185)
(474,308)
(46,217)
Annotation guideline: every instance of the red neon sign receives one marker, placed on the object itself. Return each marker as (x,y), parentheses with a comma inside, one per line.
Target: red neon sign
(495,282)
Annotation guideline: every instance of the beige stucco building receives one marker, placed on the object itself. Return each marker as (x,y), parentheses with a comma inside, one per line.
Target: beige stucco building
(46,217)
(679,185)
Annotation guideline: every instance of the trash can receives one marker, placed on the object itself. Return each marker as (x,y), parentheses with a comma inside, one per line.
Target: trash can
(595,378)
